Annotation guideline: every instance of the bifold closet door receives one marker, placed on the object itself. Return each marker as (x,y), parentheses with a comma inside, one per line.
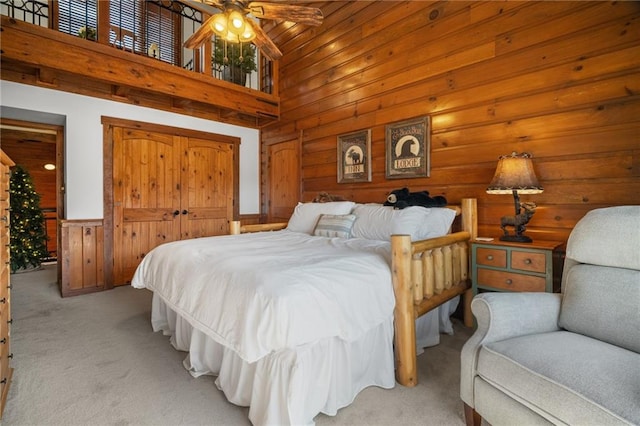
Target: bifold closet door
(146,196)
(207,190)
(167,184)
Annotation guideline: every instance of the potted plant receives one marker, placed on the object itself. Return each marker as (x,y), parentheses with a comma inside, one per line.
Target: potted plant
(234,61)
(87,33)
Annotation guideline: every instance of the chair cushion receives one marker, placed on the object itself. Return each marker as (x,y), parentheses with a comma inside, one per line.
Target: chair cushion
(609,237)
(603,303)
(567,376)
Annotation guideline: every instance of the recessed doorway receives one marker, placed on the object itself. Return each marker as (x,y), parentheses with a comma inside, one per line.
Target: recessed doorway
(38,148)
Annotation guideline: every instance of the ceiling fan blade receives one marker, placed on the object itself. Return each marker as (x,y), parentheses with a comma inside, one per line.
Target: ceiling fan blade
(201,35)
(287,12)
(215,3)
(207,7)
(264,43)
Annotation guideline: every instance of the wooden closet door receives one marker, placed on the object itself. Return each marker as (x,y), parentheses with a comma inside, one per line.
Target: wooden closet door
(207,196)
(146,196)
(284,179)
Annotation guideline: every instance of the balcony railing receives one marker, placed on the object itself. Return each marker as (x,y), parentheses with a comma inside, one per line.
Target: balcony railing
(156,28)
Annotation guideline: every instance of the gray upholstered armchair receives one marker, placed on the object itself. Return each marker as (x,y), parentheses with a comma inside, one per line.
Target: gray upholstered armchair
(570,358)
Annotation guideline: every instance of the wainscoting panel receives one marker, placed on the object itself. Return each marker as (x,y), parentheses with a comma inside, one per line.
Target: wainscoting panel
(82,257)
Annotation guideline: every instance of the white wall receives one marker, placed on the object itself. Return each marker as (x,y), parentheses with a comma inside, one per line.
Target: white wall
(83,142)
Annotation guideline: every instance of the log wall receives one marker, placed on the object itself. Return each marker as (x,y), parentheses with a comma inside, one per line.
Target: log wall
(560,80)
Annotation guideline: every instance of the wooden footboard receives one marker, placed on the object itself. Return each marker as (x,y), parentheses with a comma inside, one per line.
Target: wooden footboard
(425,275)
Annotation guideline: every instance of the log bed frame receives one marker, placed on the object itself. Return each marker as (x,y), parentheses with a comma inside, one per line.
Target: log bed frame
(425,274)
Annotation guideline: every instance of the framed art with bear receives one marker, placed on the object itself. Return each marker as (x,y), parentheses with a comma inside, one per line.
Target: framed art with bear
(408,144)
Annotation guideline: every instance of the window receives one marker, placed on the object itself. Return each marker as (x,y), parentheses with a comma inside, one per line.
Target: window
(144,27)
(163,29)
(125,31)
(74,15)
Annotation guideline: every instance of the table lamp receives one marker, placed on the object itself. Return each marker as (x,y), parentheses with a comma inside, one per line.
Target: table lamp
(515,175)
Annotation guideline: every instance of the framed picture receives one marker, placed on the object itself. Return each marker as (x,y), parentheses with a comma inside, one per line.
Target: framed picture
(408,148)
(354,157)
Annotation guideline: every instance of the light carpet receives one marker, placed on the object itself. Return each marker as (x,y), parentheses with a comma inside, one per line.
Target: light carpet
(94,360)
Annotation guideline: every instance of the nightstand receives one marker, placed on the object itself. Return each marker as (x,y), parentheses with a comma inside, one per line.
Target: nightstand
(503,266)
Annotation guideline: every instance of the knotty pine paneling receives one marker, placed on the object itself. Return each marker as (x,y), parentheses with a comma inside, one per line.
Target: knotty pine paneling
(560,80)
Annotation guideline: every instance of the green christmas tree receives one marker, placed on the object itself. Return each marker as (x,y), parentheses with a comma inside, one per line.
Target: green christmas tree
(28,233)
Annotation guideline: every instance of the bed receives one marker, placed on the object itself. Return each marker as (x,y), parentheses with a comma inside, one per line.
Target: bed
(297,318)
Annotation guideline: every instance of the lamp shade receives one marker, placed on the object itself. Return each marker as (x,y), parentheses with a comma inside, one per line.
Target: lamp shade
(515,172)
(232,27)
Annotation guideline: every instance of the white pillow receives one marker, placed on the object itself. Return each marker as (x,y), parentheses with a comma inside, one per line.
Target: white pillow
(334,225)
(306,215)
(379,222)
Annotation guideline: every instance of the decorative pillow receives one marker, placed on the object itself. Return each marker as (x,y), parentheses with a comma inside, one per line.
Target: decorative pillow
(378,222)
(331,225)
(306,215)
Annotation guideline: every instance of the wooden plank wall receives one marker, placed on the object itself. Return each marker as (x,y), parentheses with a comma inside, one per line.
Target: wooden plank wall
(560,80)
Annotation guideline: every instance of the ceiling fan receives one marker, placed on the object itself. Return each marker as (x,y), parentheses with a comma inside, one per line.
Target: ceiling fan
(233,25)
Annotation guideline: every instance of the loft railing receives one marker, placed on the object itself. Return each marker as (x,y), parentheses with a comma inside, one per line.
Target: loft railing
(156,28)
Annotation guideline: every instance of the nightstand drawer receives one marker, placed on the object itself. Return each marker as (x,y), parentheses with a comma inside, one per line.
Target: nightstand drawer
(526,261)
(510,281)
(492,257)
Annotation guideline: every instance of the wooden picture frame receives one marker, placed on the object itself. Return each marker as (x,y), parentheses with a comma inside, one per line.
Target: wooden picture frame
(354,157)
(408,147)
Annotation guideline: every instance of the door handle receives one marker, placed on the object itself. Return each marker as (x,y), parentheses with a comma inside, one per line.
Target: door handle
(184,212)
(176,213)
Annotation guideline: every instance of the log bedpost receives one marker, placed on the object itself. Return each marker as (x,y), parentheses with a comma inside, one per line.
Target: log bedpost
(234,227)
(470,224)
(405,325)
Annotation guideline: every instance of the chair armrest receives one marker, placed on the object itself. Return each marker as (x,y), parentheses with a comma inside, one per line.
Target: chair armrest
(501,316)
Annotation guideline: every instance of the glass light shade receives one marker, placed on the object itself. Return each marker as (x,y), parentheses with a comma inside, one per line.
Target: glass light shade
(515,172)
(219,24)
(247,35)
(236,22)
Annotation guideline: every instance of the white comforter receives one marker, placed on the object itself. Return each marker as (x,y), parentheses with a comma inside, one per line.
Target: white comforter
(261,292)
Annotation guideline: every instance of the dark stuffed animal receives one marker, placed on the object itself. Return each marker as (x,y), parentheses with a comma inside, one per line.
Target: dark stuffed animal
(401,198)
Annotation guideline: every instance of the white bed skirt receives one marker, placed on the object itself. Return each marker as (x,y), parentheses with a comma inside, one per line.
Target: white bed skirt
(292,386)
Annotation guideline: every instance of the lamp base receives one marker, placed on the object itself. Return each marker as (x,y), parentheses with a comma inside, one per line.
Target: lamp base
(516,239)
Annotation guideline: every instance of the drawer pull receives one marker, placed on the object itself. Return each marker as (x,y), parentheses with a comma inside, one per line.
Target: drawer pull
(3,381)
(4,340)
(489,257)
(527,261)
(3,300)
(10,356)
(509,281)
